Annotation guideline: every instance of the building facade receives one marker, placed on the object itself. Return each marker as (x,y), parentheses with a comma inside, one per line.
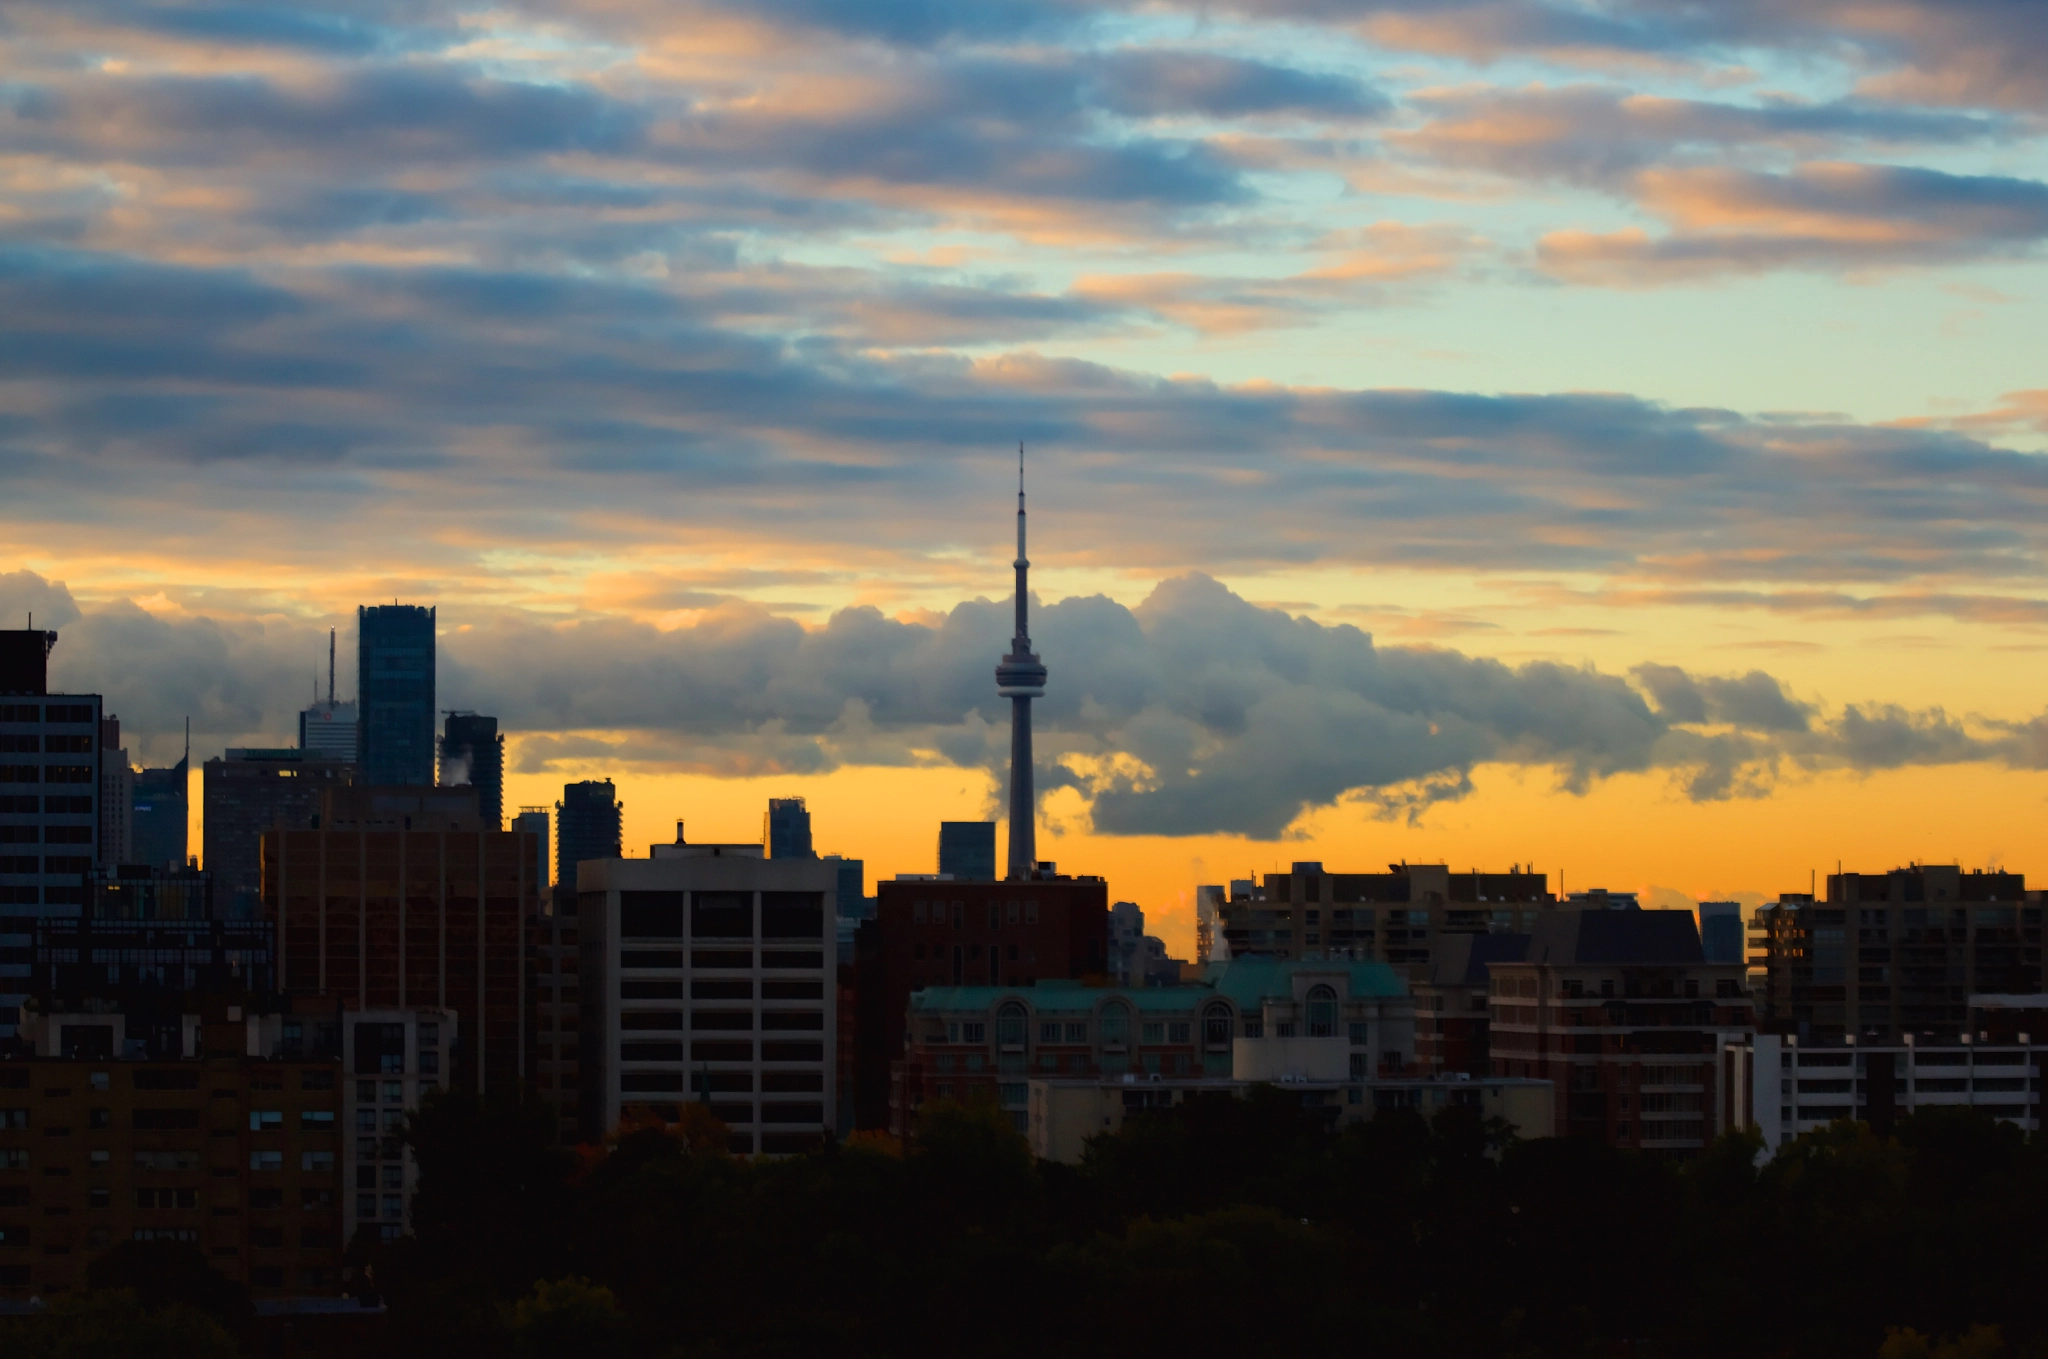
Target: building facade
(1888,954)
(401,901)
(232,1143)
(1793,1087)
(1453,1008)
(249,791)
(786,829)
(589,821)
(556,1008)
(395,694)
(707,975)
(328,731)
(390,1060)
(473,753)
(967,850)
(117,797)
(1621,1010)
(934,932)
(1393,917)
(159,818)
(1255,1020)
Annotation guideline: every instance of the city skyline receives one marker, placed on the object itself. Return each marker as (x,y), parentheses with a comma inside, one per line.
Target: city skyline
(1652,385)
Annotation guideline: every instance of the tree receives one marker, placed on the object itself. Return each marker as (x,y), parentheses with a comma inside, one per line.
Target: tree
(116,1324)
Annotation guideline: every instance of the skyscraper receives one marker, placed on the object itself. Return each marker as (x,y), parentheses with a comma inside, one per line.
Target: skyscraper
(117,796)
(249,792)
(473,752)
(588,824)
(328,730)
(786,830)
(49,803)
(967,850)
(162,808)
(1020,678)
(534,821)
(395,694)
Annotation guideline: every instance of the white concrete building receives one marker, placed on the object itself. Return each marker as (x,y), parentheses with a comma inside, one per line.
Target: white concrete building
(1793,1089)
(709,974)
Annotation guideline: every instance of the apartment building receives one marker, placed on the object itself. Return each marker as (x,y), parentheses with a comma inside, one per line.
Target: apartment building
(1393,917)
(1790,1087)
(939,932)
(988,1042)
(707,974)
(401,900)
(1623,1013)
(1454,1006)
(1064,1113)
(556,1011)
(249,791)
(1888,954)
(391,1060)
(230,1139)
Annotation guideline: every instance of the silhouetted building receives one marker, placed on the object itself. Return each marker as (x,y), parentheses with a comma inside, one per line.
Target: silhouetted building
(556,1010)
(588,822)
(1721,931)
(534,821)
(395,694)
(1622,1011)
(117,796)
(247,792)
(402,899)
(786,829)
(932,932)
(473,753)
(967,850)
(1888,954)
(50,776)
(1391,917)
(161,815)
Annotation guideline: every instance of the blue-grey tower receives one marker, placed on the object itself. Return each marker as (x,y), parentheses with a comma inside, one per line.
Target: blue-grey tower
(1020,678)
(395,694)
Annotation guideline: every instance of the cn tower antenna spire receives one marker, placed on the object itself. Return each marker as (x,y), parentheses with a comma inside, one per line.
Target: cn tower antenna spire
(1020,678)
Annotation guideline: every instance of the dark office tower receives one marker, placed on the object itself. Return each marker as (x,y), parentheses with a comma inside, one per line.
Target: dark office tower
(395,694)
(786,830)
(472,752)
(251,791)
(158,822)
(588,823)
(967,850)
(25,660)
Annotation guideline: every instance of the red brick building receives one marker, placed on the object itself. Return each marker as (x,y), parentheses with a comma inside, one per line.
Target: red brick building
(398,901)
(1620,1010)
(936,932)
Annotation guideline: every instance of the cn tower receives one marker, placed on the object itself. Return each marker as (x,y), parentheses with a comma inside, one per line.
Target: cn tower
(1020,678)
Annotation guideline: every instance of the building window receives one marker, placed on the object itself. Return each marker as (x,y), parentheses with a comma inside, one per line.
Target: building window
(1177,1031)
(1153,1030)
(1077,1032)
(1254,1028)
(1322,1012)
(1116,1024)
(1360,1036)
(1049,1032)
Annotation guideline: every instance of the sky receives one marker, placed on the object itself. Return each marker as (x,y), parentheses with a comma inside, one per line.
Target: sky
(1606,437)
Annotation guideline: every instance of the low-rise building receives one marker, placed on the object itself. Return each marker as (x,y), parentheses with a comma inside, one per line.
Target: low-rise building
(1453,1006)
(1064,1113)
(1789,1087)
(988,1042)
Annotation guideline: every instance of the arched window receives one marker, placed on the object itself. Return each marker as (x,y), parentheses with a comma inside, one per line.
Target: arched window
(1116,1024)
(1322,1012)
(1216,1026)
(1011,1026)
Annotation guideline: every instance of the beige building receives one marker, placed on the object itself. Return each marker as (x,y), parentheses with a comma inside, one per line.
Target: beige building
(1065,1113)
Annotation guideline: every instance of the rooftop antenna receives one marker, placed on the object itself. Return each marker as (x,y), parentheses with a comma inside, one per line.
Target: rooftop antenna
(330,667)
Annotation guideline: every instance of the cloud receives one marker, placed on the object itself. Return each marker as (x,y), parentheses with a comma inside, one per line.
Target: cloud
(1834,216)
(1158,82)
(1193,713)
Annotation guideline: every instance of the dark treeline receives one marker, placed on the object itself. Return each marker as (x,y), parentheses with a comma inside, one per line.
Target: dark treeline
(1232,1227)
